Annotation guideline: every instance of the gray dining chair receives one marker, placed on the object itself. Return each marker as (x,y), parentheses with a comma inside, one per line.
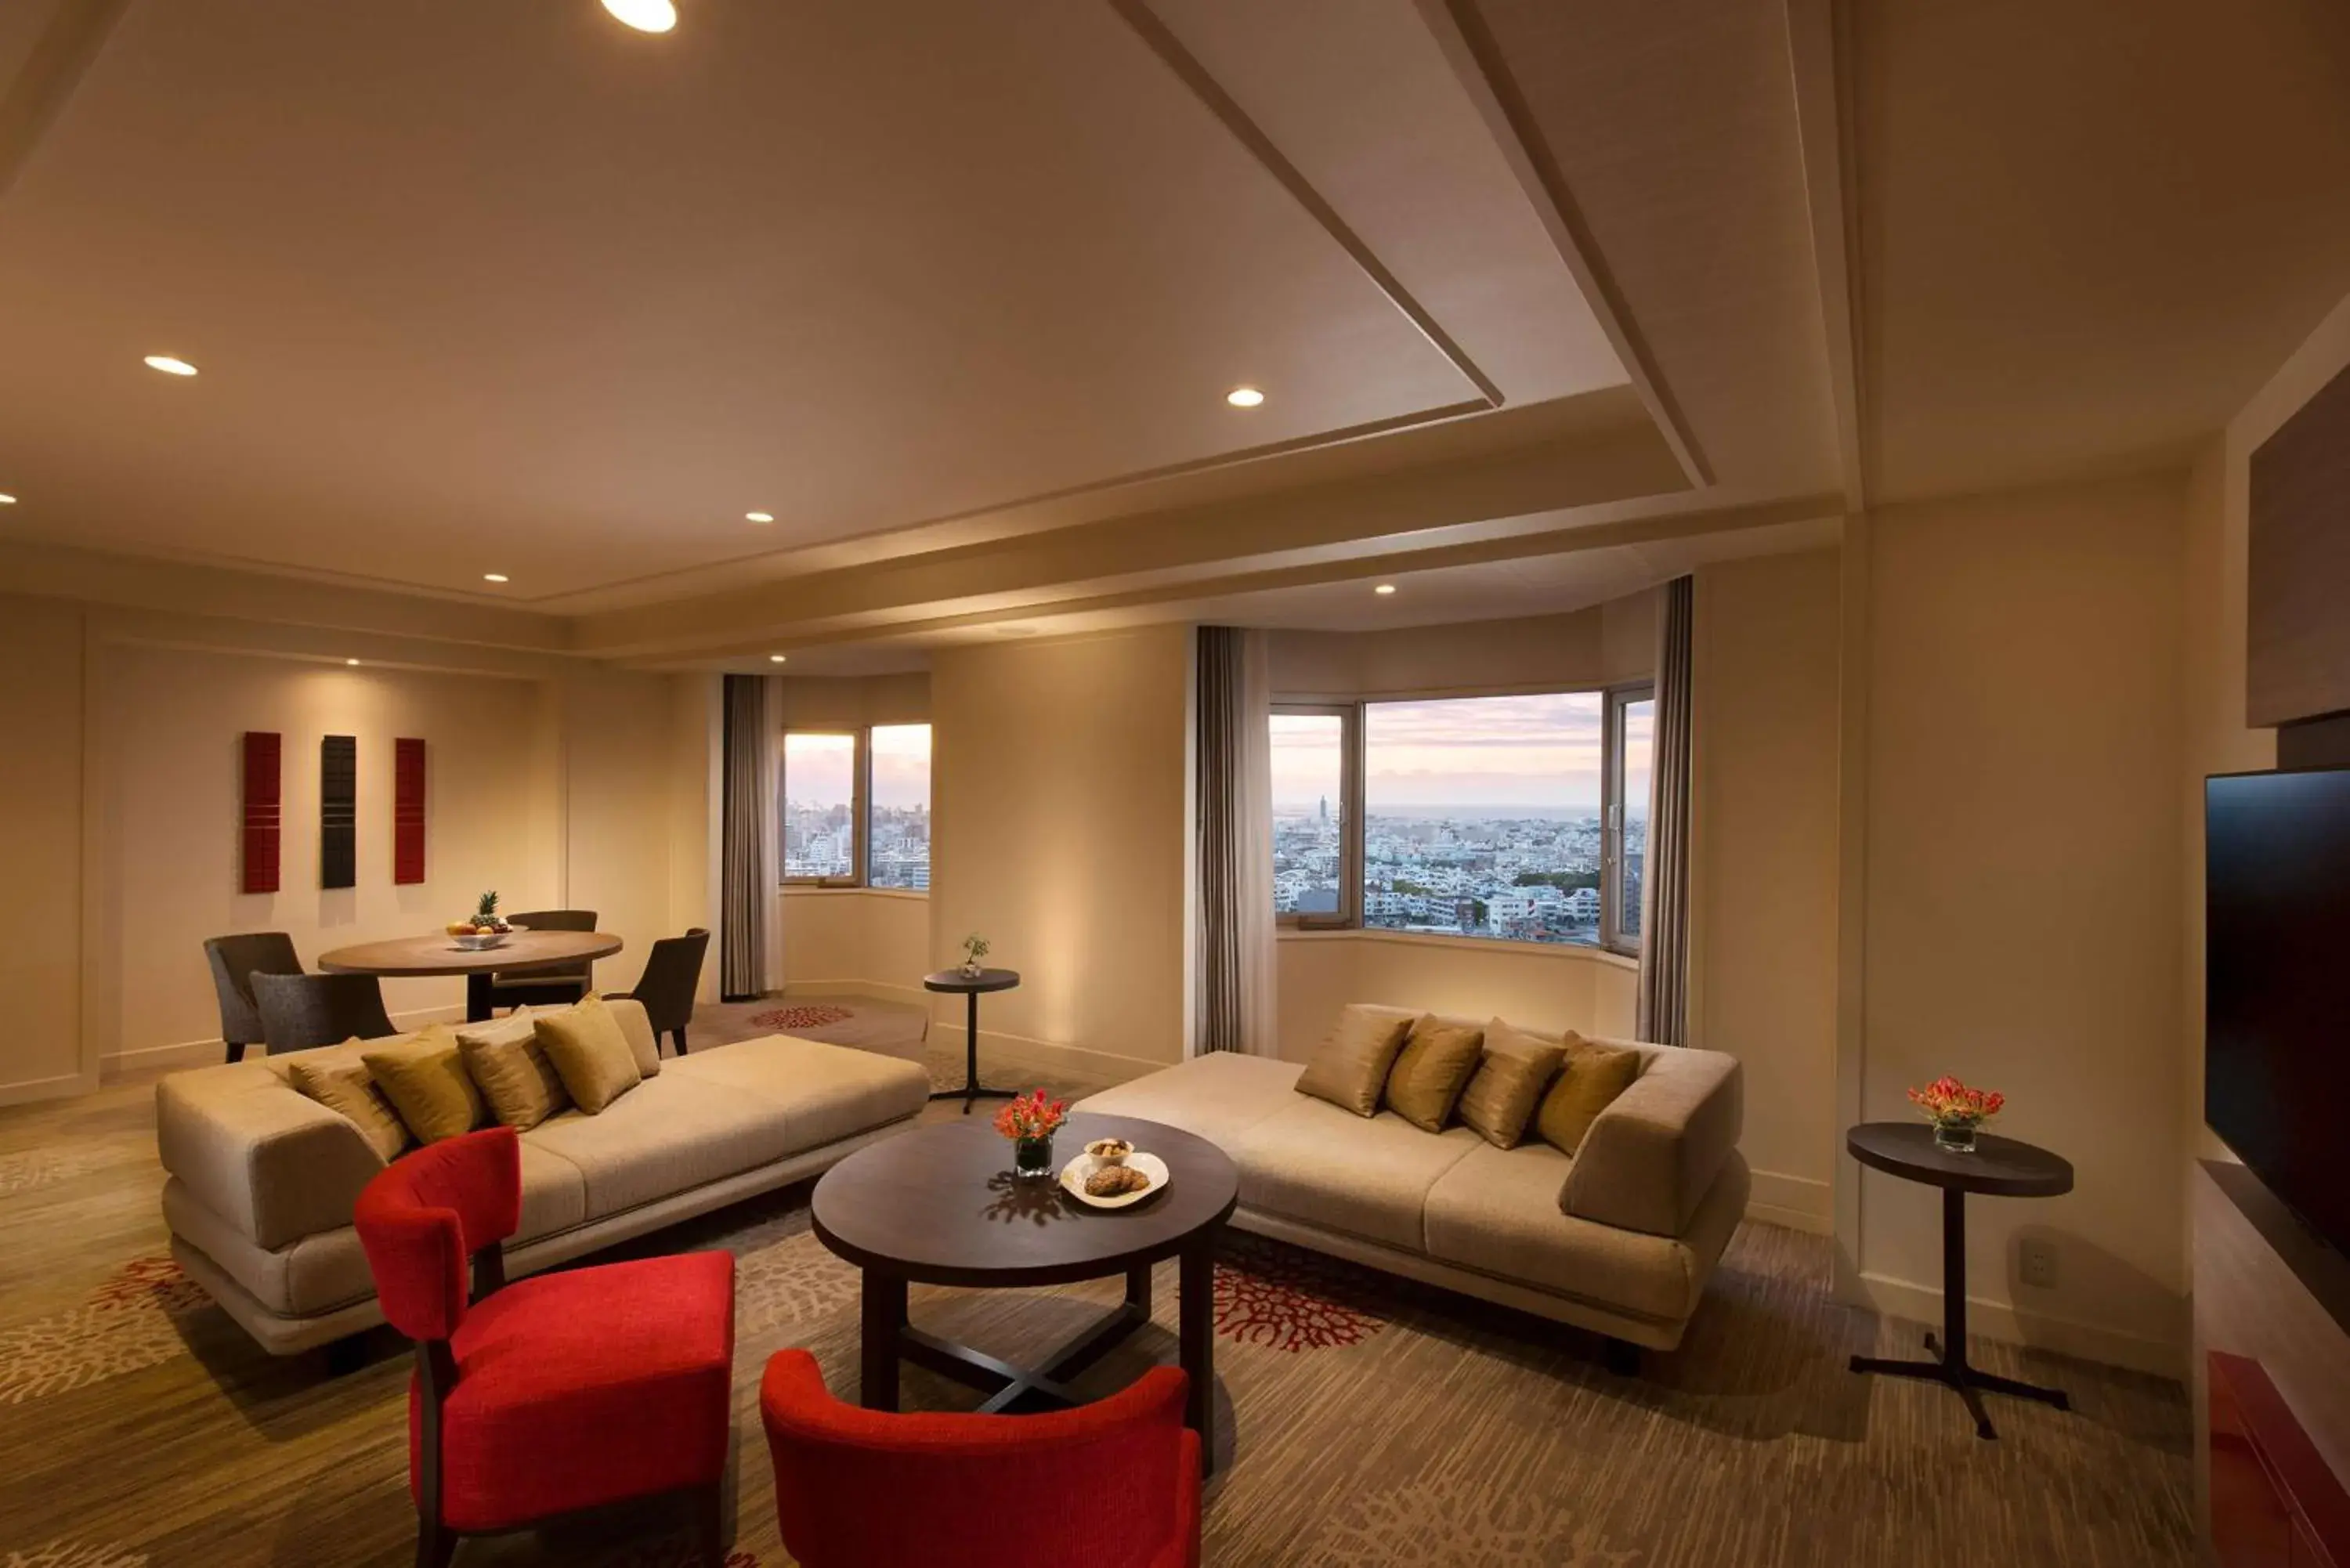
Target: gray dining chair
(302,1012)
(235,960)
(547,987)
(672,974)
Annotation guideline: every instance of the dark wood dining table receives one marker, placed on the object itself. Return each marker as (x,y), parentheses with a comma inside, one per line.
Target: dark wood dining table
(523,952)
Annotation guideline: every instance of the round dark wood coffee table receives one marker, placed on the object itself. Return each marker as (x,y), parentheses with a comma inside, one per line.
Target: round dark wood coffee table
(941,1205)
(1997,1168)
(953,982)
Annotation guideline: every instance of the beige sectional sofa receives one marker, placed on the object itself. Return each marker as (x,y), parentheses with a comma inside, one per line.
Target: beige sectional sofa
(1619,1238)
(263,1179)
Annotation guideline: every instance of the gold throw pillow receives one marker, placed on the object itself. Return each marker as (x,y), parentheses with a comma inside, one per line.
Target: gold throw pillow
(1430,1071)
(1350,1066)
(425,1081)
(521,1085)
(1508,1084)
(590,1053)
(1594,1076)
(637,1025)
(345,1087)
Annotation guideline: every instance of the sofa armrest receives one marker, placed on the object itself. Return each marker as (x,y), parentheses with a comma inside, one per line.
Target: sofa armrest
(266,1158)
(1652,1156)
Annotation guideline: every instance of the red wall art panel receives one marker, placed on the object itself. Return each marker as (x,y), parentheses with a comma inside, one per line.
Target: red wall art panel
(262,804)
(408,810)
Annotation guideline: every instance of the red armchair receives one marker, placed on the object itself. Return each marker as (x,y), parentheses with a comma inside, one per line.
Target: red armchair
(1115,1482)
(555,1394)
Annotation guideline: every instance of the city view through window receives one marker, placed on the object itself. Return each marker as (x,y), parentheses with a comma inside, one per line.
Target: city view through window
(819,790)
(900,838)
(1483,816)
(821,800)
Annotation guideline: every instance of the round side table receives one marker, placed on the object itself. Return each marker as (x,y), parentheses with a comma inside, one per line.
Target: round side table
(953,981)
(1997,1168)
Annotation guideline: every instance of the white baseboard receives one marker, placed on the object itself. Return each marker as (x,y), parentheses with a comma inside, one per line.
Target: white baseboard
(878,990)
(117,1066)
(63,1087)
(2040,1331)
(1797,1202)
(1002,1051)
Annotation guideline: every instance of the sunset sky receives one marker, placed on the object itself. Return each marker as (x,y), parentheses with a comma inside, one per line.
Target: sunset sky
(818,769)
(1481,753)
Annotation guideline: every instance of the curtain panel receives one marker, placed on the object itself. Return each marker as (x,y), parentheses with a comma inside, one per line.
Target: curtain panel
(747,848)
(1664,893)
(1236,975)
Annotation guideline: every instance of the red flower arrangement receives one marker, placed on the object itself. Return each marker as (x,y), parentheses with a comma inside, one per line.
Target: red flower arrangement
(1951,1104)
(1031,1115)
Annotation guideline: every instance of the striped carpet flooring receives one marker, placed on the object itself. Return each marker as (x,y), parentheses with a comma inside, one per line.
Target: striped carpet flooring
(1361,1420)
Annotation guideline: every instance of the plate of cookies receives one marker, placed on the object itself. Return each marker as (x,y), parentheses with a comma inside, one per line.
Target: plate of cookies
(1113,1174)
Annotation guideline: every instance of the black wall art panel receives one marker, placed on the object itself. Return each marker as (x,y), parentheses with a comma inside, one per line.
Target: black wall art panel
(339,788)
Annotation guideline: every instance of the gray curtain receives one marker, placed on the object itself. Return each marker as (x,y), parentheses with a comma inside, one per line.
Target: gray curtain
(1237,1011)
(1664,895)
(747,890)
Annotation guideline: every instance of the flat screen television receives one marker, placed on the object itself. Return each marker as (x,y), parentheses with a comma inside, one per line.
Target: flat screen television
(2276,1053)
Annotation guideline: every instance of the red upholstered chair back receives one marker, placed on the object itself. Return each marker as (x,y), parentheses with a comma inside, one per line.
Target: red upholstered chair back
(425,1216)
(1116,1481)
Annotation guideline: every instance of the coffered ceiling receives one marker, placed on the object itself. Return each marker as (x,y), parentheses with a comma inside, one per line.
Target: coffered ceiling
(1548,297)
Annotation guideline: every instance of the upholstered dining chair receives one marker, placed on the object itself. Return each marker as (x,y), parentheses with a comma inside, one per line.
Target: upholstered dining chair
(559,1392)
(300,1012)
(234,962)
(547,987)
(1114,1481)
(672,974)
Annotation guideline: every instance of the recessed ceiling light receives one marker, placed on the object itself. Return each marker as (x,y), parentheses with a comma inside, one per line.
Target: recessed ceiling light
(7,501)
(776,658)
(493,576)
(352,662)
(758,518)
(170,365)
(1383,589)
(1244,397)
(644,16)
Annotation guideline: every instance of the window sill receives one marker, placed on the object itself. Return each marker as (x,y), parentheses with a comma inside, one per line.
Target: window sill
(1472,944)
(814,890)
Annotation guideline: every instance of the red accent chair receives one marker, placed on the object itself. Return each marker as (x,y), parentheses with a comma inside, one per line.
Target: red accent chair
(555,1394)
(1116,1481)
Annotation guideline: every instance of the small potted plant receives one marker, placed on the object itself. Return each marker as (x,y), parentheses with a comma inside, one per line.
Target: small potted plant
(975,948)
(1029,1121)
(1956,1111)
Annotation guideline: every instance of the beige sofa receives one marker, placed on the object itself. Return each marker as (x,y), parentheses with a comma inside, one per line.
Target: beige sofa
(263,1179)
(1620,1237)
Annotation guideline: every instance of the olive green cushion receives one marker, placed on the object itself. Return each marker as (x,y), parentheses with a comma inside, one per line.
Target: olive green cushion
(1432,1070)
(1518,1065)
(590,1053)
(345,1087)
(1349,1068)
(520,1084)
(425,1079)
(1594,1076)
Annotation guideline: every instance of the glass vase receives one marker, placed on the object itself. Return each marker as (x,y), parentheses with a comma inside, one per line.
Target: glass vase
(1032,1156)
(1958,1137)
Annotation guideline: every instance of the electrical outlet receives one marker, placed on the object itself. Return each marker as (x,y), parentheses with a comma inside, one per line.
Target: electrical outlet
(2036,1262)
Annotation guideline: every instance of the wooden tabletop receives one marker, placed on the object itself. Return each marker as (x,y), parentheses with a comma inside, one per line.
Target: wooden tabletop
(941,1205)
(985,980)
(520,953)
(1997,1166)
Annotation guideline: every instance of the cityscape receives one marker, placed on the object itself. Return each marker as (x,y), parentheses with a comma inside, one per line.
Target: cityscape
(1513,874)
(820,840)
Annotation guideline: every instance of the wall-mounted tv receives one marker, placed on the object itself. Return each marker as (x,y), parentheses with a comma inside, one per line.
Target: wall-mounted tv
(2276,1053)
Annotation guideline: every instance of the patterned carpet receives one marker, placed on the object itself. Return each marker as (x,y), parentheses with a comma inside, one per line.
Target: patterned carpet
(1361,1420)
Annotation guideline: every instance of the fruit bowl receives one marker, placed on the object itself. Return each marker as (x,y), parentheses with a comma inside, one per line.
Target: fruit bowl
(482,941)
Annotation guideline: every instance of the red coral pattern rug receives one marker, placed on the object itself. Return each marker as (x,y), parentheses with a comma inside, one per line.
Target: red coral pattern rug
(785,1020)
(1287,1299)
(127,1324)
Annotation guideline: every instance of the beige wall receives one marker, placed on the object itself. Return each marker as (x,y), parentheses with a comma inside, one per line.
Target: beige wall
(2022,884)
(1060,805)
(41,807)
(1540,987)
(816,703)
(868,941)
(1608,643)
(1762,881)
(556,782)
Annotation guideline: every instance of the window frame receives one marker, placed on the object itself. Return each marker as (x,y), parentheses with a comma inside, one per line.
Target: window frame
(1349,913)
(859,795)
(1353,760)
(865,807)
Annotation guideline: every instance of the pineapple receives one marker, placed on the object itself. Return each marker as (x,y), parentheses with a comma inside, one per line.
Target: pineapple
(485,914)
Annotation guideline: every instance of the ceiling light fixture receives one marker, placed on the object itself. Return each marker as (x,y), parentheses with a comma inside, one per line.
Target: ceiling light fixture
(776,658)
(169,365)
(493,576)
(758,518)
(7,501)
(644,16)
(1383,589)
(1244,397)
(352,662)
